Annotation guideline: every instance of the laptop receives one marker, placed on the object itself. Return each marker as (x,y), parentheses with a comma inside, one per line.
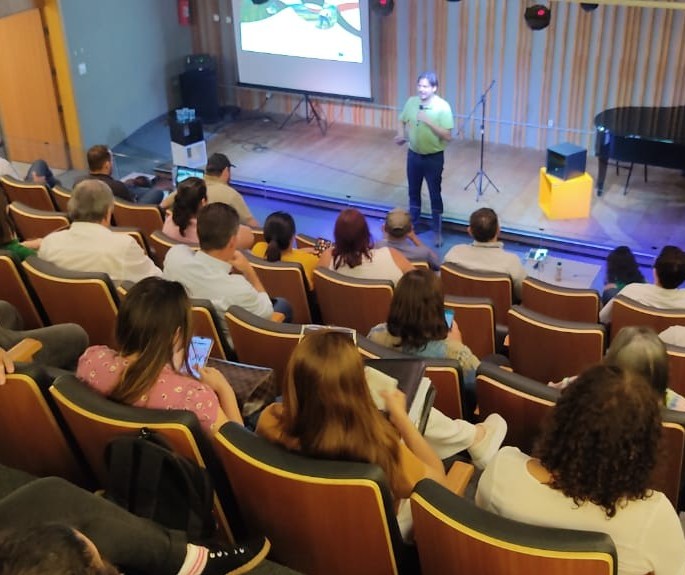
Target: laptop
(183,173)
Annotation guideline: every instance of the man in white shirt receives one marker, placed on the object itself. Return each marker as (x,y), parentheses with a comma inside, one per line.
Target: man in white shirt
(669,273)
(219,272)
(486,253)
(89,245)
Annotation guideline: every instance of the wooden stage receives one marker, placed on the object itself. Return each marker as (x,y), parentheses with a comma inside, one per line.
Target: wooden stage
(364,165)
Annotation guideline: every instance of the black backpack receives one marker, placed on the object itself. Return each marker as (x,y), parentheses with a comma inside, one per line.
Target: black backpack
(148,479)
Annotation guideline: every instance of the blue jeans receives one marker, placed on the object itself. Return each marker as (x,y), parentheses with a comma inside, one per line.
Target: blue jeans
(428,167)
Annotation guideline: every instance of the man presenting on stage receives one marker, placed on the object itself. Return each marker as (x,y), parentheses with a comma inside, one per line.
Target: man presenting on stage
(427,124)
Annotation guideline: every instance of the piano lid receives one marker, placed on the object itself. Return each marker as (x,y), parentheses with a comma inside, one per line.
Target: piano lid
(657,124)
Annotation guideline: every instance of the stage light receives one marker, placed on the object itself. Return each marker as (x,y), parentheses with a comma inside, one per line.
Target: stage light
(588,7)
(537,16)
(384,7)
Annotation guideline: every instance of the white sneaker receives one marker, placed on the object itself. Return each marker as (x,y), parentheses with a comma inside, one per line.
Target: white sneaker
(483,451)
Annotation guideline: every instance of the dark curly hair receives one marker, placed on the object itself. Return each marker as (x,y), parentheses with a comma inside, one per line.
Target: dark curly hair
(600,443)
(188,202)
(352,239)
(417,313)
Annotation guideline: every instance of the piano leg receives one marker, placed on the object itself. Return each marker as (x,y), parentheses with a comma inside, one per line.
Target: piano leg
(601,174)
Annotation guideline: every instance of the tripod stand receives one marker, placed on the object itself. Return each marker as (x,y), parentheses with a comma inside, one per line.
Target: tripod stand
(477,180)
(311,114)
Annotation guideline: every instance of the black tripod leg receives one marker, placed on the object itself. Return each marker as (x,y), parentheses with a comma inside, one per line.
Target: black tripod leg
(292,113)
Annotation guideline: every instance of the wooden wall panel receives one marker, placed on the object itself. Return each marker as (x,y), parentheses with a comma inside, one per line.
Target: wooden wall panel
(583,63)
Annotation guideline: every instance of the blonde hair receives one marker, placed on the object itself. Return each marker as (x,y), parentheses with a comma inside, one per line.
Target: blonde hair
(327,405)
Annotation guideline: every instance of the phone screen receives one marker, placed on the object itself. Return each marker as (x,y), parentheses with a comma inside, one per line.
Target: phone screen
(449,317)
(198,353)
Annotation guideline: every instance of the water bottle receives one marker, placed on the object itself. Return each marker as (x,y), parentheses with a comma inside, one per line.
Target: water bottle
(558,272)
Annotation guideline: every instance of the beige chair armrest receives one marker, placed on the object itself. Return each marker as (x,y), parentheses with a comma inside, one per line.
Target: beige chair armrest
(458,477)
(25,350)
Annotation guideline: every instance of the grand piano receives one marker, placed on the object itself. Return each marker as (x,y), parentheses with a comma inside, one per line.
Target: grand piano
(649,136)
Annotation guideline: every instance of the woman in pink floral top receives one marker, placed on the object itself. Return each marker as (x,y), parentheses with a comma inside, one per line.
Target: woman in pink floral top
(153,332)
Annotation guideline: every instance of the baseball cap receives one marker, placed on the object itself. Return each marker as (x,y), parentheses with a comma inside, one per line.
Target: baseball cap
(218,163)
(398,222)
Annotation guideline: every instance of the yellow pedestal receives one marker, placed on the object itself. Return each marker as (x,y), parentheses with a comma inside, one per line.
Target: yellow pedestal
(565,199)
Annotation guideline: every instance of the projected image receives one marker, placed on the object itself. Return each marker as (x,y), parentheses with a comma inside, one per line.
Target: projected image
(319,29)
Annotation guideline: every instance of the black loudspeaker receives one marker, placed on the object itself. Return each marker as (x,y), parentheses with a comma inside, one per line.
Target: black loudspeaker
(199,90)
(186,133)
(566,161)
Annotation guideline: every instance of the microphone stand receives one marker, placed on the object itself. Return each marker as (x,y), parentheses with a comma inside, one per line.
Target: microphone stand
(477,180)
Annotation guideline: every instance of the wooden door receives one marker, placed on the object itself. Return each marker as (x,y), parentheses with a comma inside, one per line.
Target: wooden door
(29,112)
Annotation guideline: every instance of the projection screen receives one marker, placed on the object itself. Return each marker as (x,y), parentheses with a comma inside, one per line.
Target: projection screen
(317,47)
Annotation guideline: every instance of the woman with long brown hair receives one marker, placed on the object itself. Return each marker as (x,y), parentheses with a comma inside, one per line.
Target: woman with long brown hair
(327,412)
(151,369)
(592,471)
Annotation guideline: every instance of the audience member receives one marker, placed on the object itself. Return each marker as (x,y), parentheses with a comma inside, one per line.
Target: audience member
(218,178)
(101,167)
(353,253)
(592,471)
(89,245)
(621,270)
(218,272)
(48,525)
(487,253)
(181,221)
(327,412)
(279,233)
(62,343)
(399,235)
(639,349)
(8,236)
(39,173)
(151,367)
(416,322)
(669,273)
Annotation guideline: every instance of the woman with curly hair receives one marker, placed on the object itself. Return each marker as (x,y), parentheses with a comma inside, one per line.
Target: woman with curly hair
(353,254)
(621,270)
(592,471)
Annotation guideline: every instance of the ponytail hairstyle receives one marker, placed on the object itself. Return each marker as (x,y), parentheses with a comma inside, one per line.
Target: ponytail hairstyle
(279,230)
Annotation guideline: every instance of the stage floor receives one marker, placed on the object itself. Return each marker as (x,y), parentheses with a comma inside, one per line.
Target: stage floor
(364,165)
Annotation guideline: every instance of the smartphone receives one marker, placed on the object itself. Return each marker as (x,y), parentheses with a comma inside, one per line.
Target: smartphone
(198,353)
(449,317)
(538,254)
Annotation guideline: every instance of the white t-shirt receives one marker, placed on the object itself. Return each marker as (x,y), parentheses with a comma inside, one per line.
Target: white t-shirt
(647,533)
(381,266)
(647,294)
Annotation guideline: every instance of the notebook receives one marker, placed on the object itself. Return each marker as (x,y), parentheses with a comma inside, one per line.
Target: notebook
(408,376)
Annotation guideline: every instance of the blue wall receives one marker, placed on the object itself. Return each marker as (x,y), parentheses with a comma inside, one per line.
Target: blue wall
(133,51)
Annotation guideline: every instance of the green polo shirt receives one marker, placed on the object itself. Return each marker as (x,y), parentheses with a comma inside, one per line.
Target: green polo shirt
(422,139)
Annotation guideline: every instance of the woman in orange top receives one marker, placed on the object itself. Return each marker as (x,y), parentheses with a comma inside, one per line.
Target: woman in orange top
(279,233)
